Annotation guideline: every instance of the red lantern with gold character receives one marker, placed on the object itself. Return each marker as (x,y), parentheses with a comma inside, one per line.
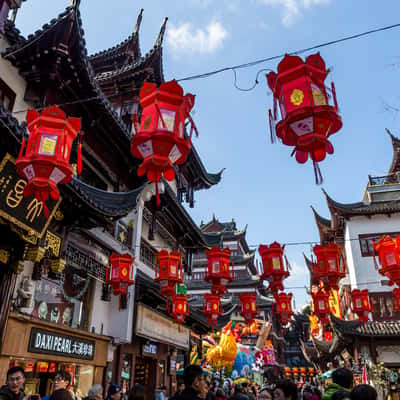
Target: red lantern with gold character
(179,304)
(168,271)
(287,371)
(396,300)
(218,271)
(307,118)
(248,306)
(330,266)
(388,250)
(284,306)
(160,140)
(361,304)
(212,307)
(321,305)
(274,270)
(311,371)
(295,372)
(46,160)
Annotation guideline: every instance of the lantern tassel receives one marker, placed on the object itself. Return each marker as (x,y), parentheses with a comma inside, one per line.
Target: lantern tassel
(271,127)
(79,161)
(22,146)
(317,172)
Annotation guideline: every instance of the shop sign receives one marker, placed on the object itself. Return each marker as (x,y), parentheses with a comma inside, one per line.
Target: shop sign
(24,212)
(150,348)
(152,325)
(45,342)
(125,375)
(29,366)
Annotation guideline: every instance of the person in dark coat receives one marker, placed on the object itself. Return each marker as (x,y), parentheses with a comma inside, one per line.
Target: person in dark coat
(13,390)
(195,384)
(238,393)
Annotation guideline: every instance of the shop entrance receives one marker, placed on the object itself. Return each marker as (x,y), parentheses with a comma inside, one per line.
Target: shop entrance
(145,375)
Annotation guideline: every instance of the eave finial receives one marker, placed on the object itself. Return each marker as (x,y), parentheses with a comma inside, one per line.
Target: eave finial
(162,32)
(75,4)
(138,22)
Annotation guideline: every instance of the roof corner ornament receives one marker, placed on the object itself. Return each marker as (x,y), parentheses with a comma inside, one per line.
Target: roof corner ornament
(75,4)
(138,22)
(162,32)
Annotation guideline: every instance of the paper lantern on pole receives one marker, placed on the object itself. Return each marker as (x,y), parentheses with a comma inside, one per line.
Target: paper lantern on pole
(218,270)
(160,139)
(212,307)
(361,304)
(284,307)
(248,307)
(169,271)
(388,250)
(274,270)
(46,160)
(307,118)
(179,304)
(321,305)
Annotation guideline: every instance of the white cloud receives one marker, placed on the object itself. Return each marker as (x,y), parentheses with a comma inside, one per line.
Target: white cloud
(293,9)
(185,38)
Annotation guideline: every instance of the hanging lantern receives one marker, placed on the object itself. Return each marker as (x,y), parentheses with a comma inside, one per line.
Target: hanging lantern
(46,160)
(388,250)
(212,307)
(274,270)
(307,118)
(328,336)
(361,304)
(321,305)
(179,304)
(218,271)
(248,307)
(396,300)
(311,371)
(295,372)
(120,273)
(168,271)
(160,140)
(287,371)
(330,266)
(303,371)
(284,307)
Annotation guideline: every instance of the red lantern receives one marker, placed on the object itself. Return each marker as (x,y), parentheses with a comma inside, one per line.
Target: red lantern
(180,308)
(321,305)
(396,299)
(218,271)
(284,307)
(212,307)
(295,372)
(248,307)
(389,258)
(330,266)
(160,140)
(168,271)
(274,270)
(311,371)
(361,304)
(287,371)
(307,117)
(328,336)
(303,371)
(46,160)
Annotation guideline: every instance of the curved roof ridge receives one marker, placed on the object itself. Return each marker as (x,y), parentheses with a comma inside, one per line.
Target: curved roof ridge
(338,205)
(161,34)
(395,165)
(320,219)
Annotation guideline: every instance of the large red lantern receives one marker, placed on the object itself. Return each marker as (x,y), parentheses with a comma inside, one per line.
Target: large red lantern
(160,140)
(218,270)
(321,305)
(274,270)
(361,304)
(389,257)
(179,304)
(168,271)
(120,273)
(396,299)
(248,306)
(311,371)
(212,307)
(284,307)
(307,118)
(330,266)
(46,160)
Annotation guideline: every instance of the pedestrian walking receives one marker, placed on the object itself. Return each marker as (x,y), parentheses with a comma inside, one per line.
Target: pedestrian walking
(285,390)
(265,394)
(363,392)
(238,393)
(13,390)
(62,380)
(342,379)
(195,384)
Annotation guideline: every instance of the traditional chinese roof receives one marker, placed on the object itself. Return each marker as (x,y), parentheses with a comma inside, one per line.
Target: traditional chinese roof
(395,166)
(324,226)
(12,34)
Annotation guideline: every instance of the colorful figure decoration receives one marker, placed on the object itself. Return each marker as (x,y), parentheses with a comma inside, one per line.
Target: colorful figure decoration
(248,307)
(218,271)
(243,361)
(161,140)
(361,304)
(388,250)
(307,118)
(46,160)
(168,271)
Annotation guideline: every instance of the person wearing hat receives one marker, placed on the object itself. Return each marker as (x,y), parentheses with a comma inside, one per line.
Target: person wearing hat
(114,392)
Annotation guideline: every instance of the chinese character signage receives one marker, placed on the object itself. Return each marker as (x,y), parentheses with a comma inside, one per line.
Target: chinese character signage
(45,342)
(24,212)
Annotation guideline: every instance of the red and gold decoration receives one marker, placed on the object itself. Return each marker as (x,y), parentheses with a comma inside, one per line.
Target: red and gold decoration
(169,271)
(321,305)
(284,307)
(396,299)
(160,140)
(179,308)
(248,307)
(218,270)
(212,307)
(307,118)
(120,273)
(46,160)
(274,270)
(388,250)
(361,304)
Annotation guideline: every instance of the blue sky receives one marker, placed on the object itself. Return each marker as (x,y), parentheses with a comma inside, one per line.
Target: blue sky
(262,185)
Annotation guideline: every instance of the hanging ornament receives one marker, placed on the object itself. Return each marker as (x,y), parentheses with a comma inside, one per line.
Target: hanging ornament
(160,140)
(361,304)
(274,270)
(218,271)
(212,308)
(248,307)
(284,307)
(321,305)
(307,118)
(396,300)
(179,309)
(388,250)
(169,271)
(46,160)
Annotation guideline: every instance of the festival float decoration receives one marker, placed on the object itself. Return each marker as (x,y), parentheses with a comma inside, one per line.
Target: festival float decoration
(120,274)
(284,307)
(388,250)
(274,269)
(169,271)
(307,119)
(178,307)
(360,304)
(212,307)
(45,163)
(218,271)
(248,307)
(160,140)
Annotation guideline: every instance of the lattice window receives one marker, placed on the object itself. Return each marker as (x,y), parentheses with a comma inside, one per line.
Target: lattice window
(147,254)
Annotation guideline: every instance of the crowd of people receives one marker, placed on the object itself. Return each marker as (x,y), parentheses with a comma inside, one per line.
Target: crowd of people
(196,386)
